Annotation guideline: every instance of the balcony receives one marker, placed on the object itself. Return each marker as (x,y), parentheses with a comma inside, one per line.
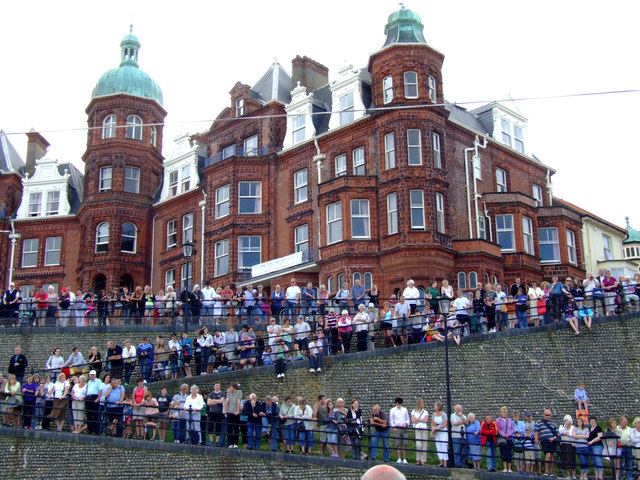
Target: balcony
(302,261)
(238,152)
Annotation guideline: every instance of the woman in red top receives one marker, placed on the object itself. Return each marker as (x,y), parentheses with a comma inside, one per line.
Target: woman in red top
(139,408)
(609,287)
(489,432)
(42,303)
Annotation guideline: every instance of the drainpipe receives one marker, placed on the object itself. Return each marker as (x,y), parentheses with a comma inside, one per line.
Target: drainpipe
(466,176)
(318,158)
(549,187)
(476,195)
(153,245)
(13,236)
(486,214)
(203,206)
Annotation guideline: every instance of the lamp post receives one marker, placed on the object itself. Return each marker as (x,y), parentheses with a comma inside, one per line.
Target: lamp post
(187,251)
(444,302)
(610,443)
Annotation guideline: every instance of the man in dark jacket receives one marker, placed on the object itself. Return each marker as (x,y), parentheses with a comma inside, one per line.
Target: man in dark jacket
(18,364)
(252,409)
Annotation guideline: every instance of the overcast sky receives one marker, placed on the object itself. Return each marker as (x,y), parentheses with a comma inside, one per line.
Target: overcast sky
(54,53)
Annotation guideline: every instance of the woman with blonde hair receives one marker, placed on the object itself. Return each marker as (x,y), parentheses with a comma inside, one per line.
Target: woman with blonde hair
(59,392)
(149,302)
(419,418)
(170,305)
(137,303)
(78,394)
(14,400)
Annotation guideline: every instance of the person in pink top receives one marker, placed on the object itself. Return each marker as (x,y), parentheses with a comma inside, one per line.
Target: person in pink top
(609,287)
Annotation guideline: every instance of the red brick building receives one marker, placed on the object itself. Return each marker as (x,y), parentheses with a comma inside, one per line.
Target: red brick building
(371,175)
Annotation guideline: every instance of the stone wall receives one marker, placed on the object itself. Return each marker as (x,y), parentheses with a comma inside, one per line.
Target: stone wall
(525,370)
(47,455)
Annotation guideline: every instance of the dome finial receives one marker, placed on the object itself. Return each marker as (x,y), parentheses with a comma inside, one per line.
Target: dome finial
(404,26)
(627,219)
(131,28)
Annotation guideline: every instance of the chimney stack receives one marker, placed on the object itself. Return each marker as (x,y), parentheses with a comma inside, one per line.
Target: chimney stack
(309,73)
(36,148)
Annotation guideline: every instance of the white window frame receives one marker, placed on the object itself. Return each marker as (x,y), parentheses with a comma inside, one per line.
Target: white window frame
(134,127)
(300,186)
(35,204)
(221,254)
(173,183)
(437,150)
(414,146)
(360,213)
(518,138)
(347,113)
(30,252)
(473,280)
(186,275)
(505,127)
(185,181)
(537,195)
(340,280)
(301,238)
(106,179)
(257,198)
(331,284)
(390,151)
(128,171)
(554,242)
(250,145)
(358,161)
(462,285)
(387,89)
(172,233)
(432,88)
(109,126)
(368,280)
(222,201)
(341,164)
(505,230)
(102,237)
(482,227)
(299,125)
(414,205)
(52,248)
(229,151)
(440,223)
(571,248)
(501,180)
(134,237)
(356,276)
(607,248)
(409,84)
(239,107)
(154,135)
(53,202)
(248,248)
(170,278)
(187,228)
(527,235)
(334,222)
(392,213)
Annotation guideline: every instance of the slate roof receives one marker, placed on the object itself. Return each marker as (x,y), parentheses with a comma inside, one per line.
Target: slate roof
(274,85)
(465,117)
(10,160)
(76,185)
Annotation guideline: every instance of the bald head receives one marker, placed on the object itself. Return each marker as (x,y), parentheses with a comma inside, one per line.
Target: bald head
(382,472)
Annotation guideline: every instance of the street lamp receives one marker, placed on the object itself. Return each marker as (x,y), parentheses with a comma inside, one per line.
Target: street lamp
(610,443)
(187,251)
(444,302)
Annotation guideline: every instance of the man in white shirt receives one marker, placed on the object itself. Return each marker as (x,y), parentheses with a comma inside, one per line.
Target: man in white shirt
(411,295)
(207,301)
(399,421)
(461,307)
(301,334)
(373,319)
(458,424)
(401,315)
(292,298)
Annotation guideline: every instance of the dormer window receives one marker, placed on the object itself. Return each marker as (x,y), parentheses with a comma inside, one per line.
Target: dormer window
(109,127)
(387,89)
(518,141)
(432,88)
(299,124)
(35,199)
(134,127)
(186,178)
(506,131)
(512,135)
(239,107)
(410,85)
(173,183)
(53,202)
(346,108)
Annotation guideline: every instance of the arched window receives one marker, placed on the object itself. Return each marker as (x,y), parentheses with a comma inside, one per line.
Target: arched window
(129,237)
(109,126)
(154,136)
(494,279)
(462,280)
(486,278)
(331,284)
(368,280)
(134,127)
(473,280)
(356,276)
(102,237)
(340,280)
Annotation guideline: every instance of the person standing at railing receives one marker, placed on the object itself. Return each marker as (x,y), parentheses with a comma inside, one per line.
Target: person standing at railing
(473,441)
(292,296)
(13,401)
(624,432)
(277,297)
(92,402)
(29,389)
(342,296)
(208,293)
(129,357)
(399,422)
(522,308)
(380,424)
(373,321)
(489,432)
(461,306)
(439,426)
(595,444)
(534,294)
(59,393)
(114,397)
(308,300)
(459,424)
(361,322)
(231,409)
(145,354)
(331,326)
(345,330)
(18,364)
(42,304)
(401,315)
(357,294)
(546,431)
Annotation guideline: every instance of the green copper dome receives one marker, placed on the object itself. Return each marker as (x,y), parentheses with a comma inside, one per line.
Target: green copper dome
(404,26)
(633,235)
(128,78)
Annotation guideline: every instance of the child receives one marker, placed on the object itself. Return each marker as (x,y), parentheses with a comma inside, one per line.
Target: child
(584,313)
(151,412)
(518,450)
(173,363)
(512,317)
(315,354)
(454,328)
(267,359)
(281,357)
(570,316)
(580,396)
(127,415)
(297,354)
(529,451)
(174,416)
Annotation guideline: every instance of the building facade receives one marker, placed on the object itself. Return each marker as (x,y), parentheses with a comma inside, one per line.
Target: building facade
(371,175)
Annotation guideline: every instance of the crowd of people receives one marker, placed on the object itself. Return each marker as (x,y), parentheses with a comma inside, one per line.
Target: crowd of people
(489,306)
(337,428)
